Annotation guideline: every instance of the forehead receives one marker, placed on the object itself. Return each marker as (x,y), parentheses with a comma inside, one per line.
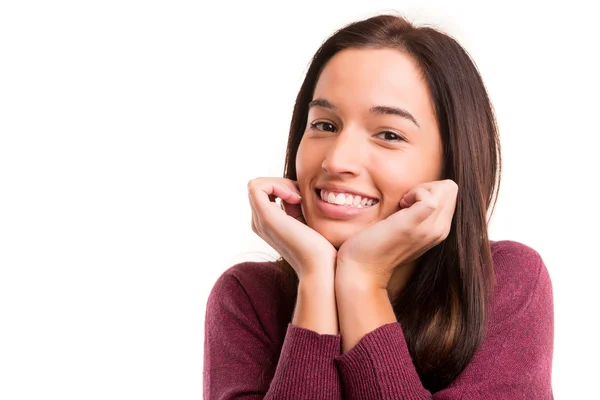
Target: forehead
(368,77)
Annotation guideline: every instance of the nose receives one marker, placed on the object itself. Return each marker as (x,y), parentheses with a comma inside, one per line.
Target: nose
(344,155)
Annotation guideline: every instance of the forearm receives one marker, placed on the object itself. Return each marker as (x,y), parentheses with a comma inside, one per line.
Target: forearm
(316,305)
(362,307)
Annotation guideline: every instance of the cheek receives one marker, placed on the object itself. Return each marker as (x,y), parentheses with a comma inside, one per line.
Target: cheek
(300,162)
(303,168)
(394,177)
(433,169)
(307,161)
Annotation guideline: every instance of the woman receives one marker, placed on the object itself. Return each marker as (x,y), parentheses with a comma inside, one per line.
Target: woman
(388,286)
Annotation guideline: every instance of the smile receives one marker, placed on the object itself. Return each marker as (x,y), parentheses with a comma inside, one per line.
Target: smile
(345,199)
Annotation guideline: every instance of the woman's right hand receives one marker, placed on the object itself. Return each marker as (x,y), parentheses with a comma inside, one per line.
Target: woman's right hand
(307,251)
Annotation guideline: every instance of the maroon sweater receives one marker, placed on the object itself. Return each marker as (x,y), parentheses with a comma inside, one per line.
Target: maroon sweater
(252,351)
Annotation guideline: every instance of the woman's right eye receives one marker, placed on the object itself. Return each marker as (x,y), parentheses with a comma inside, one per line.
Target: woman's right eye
(323,126)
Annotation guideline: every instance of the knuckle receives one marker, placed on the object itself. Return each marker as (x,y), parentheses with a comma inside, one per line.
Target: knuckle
(421,233)
(451,185)
(441,235)
(254,183)
(444,232)
(431,204)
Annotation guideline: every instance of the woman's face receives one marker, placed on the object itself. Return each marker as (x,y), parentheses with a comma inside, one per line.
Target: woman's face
(371,136)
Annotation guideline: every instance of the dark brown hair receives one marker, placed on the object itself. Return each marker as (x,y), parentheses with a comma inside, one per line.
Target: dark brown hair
(443,308)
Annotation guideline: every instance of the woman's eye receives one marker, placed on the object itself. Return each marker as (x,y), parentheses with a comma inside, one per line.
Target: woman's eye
(390,136)
(323,126)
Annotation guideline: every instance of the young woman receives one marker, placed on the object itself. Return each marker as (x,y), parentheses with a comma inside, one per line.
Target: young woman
(388,286)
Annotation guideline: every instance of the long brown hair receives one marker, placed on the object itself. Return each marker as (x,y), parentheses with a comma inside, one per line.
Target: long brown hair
(443,309)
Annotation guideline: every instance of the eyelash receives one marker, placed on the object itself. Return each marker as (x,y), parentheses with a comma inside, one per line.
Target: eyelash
(399,138)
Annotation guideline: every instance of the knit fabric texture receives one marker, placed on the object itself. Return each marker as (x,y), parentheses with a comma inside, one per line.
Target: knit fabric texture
(252,351)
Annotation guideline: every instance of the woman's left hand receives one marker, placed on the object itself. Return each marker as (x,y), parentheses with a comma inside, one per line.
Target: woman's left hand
(423,221)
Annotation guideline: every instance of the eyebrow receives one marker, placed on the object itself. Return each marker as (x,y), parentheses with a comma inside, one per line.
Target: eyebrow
(381,110)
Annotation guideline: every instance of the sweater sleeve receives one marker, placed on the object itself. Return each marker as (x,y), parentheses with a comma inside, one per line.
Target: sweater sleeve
(241,361)
(513,362)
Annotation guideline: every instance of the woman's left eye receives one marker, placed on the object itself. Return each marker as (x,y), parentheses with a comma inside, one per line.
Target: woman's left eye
(390,136)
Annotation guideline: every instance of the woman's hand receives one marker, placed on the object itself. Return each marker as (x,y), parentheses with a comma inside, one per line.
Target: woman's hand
(307,251)
(423,222)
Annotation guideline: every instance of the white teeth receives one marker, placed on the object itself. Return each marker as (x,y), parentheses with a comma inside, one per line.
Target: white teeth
(340,199)
(346,199)
(331,198)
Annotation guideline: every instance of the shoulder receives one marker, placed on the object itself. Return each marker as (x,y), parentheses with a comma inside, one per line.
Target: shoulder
(254,279)
(516,260)
(259,290)
(522,281)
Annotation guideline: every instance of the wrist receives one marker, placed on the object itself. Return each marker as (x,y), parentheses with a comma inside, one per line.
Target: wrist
(314,270)
(354,277)
(317,283)
(320,275)
(363,307)
(316,306)
(357,290)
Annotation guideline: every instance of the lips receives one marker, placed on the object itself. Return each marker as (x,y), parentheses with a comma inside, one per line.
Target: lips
(337,212)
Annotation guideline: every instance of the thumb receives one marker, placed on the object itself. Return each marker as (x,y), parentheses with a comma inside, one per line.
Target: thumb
(293,210)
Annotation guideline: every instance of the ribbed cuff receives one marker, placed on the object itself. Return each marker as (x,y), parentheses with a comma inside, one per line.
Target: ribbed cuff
(306,368)
(380,367)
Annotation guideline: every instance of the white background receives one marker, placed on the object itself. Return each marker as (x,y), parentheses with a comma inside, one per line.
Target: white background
(129,130)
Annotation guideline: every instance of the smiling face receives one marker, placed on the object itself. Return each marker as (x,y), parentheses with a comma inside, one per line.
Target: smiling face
(371,136)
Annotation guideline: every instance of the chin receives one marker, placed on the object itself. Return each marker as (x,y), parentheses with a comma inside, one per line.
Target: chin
(336,240)
(335,235)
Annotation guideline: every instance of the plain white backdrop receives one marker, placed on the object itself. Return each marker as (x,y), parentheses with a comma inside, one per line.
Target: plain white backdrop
(128,132)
